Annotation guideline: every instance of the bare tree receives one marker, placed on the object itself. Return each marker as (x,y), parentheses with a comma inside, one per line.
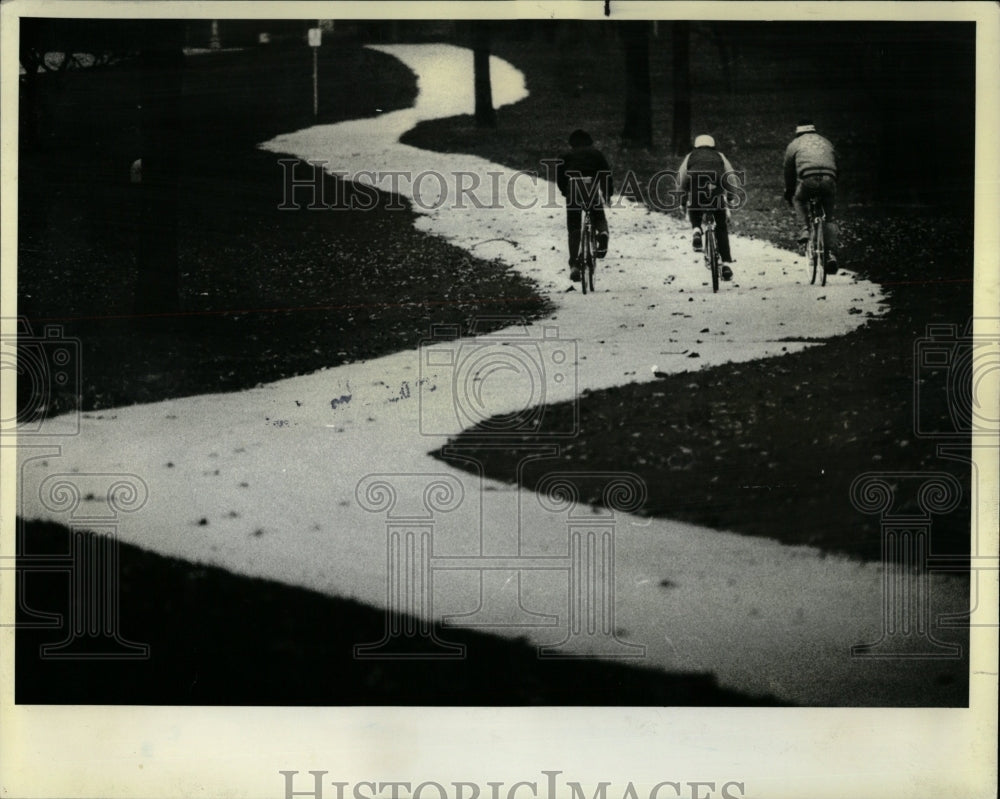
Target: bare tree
(727,41)
(638,128)
(486,115)
(681,37)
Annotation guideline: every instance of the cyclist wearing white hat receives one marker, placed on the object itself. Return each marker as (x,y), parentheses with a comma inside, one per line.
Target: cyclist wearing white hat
(702,178)
(811,171)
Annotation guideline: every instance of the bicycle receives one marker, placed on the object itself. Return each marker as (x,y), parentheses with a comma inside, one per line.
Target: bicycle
(816,251)
(710,247)
(586,257)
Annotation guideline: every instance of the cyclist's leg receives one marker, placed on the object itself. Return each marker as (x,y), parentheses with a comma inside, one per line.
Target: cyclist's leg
(695,215)
(722,234)
(573,230)
(600,220)
(722,241)
(828,196)
(800,201)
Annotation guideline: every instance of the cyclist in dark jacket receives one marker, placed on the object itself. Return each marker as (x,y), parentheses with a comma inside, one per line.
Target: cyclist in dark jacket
(811,171)
(586,161)
(702,178)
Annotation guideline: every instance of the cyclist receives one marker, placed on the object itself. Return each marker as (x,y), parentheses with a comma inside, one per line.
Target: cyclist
(586,161)
(811,171)
(706,189)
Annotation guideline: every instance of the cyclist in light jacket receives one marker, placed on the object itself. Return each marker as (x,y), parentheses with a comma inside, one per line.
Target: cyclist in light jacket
(705,178)
(811,171)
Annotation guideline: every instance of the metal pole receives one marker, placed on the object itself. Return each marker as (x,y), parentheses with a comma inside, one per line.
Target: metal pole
(315,81)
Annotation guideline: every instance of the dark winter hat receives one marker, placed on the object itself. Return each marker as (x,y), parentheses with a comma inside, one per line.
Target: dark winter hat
(580,138)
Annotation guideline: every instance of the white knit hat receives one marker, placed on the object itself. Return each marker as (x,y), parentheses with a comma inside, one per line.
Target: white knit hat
(805,129)
(704,141)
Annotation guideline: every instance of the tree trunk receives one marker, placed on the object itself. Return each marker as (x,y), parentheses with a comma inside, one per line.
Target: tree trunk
(486,115)
(728,47)
(638,128)
(681,138)
(162,60)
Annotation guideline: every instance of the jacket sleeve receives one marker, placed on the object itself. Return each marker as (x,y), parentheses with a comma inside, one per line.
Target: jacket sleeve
(729,179)
(791,178)
(683,179)
(607,181)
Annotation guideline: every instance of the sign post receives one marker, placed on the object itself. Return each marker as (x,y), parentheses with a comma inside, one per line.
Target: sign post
(315,38)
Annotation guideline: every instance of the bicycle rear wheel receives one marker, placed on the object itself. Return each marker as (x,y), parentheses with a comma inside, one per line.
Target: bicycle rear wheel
(811,253)
(586,255)
(712,256)
(820,252)
(592,258)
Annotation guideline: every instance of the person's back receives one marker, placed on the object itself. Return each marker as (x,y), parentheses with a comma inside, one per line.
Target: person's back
(587,162)
(584,161)
(811,154)
(705,168)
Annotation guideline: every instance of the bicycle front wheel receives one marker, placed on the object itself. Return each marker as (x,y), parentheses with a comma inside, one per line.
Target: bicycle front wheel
(586,256)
